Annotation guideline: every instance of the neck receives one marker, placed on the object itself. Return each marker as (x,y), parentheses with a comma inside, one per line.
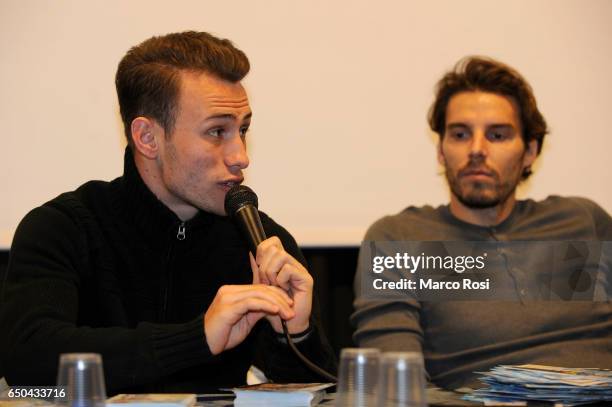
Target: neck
(482,216)
(152,177)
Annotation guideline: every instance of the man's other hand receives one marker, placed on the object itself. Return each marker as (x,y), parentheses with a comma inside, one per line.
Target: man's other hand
(236,309)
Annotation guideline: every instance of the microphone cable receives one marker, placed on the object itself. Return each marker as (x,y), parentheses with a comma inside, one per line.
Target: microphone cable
(303,358)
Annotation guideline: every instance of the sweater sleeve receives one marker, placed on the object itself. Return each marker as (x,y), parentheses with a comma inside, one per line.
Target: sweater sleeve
(39,314)
(389,324)
(277,360)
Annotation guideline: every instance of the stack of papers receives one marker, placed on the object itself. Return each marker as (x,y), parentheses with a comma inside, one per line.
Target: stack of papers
(564,386)
(272,394)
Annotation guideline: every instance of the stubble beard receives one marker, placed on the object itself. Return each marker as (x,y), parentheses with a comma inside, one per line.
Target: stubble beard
(184,186)
(481,195)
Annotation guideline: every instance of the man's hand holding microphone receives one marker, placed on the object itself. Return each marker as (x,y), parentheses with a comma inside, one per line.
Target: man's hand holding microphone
(281,288)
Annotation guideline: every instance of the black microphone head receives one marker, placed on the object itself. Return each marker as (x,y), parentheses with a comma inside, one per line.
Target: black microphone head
(237,197)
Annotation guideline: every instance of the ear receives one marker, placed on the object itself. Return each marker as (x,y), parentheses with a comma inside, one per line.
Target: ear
(441,158)
(531,153)
(145,136)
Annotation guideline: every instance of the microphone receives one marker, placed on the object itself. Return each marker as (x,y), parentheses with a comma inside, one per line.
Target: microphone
(241,205)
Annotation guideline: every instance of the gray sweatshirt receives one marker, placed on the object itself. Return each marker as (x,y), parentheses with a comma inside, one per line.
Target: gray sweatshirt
(459,338)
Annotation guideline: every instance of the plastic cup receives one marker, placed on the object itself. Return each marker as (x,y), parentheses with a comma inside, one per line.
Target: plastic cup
(82,376)
(358,377)
(402,380)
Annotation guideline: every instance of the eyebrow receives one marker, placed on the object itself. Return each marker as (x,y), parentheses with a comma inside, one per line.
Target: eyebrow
(493,126)
(228,116)
(455,125)
(502,126)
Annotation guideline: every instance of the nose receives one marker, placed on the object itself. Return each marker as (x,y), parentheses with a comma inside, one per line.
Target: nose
(478,146)
(236,157)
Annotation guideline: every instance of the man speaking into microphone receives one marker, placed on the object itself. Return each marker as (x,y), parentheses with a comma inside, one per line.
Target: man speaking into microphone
(148,270)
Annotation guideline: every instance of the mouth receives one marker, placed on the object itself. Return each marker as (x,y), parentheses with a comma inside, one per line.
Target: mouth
(477,172)
(229,184)
(478,175)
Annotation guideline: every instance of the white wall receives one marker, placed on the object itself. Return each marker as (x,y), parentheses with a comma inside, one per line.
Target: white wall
(339,89)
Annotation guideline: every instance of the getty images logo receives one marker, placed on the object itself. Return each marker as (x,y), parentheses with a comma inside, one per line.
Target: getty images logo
(405,261)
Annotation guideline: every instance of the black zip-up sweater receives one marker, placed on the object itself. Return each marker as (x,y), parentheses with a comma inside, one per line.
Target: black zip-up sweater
(108,268)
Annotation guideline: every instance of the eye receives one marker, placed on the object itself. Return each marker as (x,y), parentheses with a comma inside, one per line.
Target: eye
(216,132)
(243,131)
(498,135)
(459,134)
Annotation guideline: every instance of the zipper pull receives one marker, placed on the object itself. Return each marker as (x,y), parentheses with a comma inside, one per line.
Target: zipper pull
(180,235)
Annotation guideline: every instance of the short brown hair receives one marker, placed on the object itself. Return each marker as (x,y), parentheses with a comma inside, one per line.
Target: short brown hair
(487,75)
(148,80)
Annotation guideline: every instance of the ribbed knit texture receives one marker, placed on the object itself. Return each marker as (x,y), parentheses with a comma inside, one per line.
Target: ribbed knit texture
(178,346)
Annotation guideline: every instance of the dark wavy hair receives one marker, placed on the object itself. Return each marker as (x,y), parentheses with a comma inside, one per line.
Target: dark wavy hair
(148,80)
(488,75)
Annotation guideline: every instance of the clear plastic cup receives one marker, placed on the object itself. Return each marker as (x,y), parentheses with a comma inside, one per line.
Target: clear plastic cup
(402,380)
(358,377)
(82,376)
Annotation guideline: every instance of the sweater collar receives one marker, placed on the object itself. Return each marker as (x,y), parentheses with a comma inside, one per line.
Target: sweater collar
(150,214)
(517,210)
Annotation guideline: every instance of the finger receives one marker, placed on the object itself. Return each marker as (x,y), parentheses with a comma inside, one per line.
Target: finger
(254,269)
(231,293)
(266,260)
(282,293)
(230,314)
(263,278)
(272,241)
(262,305)
(284,277)
(273,258)
(242,292)
(276,322)
(266,249)
(257,305)
(294,278)
(282,299)
(270,294)
(259,277)
(272,264)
